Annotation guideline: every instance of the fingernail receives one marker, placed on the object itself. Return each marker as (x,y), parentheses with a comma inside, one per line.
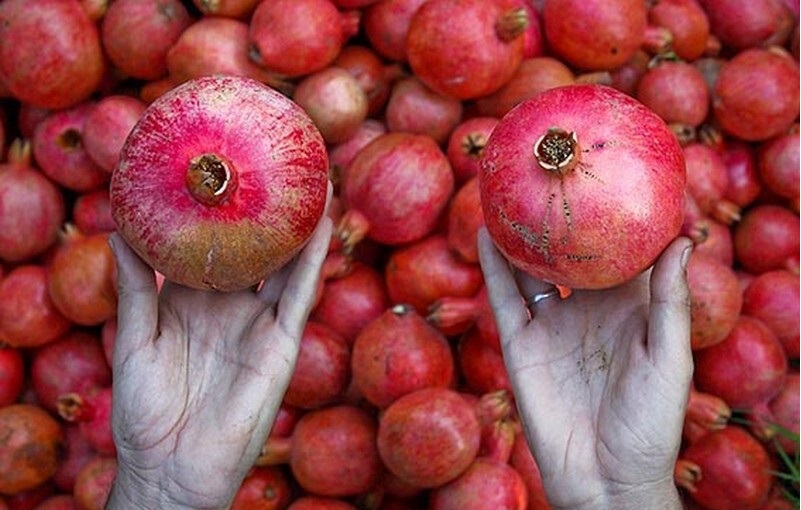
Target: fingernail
(685,256)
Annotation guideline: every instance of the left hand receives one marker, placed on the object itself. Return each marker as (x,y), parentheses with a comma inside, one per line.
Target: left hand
(198,377)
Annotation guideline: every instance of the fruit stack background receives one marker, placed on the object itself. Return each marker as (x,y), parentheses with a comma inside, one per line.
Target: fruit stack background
(76,75)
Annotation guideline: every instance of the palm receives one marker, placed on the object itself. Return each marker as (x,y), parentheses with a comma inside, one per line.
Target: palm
(199,375)
(589,378)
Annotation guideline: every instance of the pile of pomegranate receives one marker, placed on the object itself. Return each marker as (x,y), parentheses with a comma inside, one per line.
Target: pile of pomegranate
(397,100)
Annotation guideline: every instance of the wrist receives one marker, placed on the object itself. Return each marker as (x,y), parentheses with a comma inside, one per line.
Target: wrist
(655,496)
(133,490)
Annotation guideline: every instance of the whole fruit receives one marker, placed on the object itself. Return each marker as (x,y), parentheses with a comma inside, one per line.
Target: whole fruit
(582,186)
(202,207)
(30,440)
(50,55)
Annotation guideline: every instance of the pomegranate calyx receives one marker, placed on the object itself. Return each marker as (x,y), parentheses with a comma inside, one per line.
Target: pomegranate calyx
(473,144)
(72,407)
(20,152)
(511,24)
(557,150)
(209,179)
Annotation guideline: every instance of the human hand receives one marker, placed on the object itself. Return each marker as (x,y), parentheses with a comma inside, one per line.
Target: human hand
(601,380)
(198,377)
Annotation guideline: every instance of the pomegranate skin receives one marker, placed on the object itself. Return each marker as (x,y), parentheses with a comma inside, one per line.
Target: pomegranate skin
(773,297)
(756,95)
(594,35)
(466,48)
(487,484)
(50,56)
(592,222)
(271,193)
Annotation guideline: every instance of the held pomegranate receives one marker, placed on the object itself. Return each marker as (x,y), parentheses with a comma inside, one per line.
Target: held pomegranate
(206,209)
(582,186)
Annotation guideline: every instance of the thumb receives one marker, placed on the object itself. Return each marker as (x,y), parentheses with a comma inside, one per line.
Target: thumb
(137,308)
(669,318)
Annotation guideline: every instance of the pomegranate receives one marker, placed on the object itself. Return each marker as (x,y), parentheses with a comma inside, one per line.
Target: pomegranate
(707,181)
(319,503)
(50,56)
(533,37)
(91,410)
(398,353)
(767,238)
(482,367)
(594,35)
(264,488)
(59,150)
(421,272)
(335,102)
(76,452)
(138,34)
(749,366)
(31,498)
(465,218)
(725,470)
(81,278)
(12,375)
(773,297)
(74,362)
(59,502)
(688,24)
(466,145)
(386,25)
(220,192)
(523,461)
(30,442)
(466,48)
(716,300)
(322,369)
(778,163)
(741,25)
(32,207)
(784,414)
(455,315)
(93,483)
(351,301)
(575,216)
(226,8)
(28,317)
(755,96)
(107,125)
(676,91)
(485,485)
(91,212)
(394,190)
(429,437)
(333,451)
(414,108)
(744,182)
(341,154)
(626,77)
(297,37)
(373,75)
(718,241)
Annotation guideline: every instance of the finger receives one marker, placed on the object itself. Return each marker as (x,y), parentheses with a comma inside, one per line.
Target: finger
(669,316)
(298,295)
(137,306)
(507,305)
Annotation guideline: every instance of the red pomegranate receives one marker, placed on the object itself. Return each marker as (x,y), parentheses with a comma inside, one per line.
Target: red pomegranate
(748,367)
(228,213)
(424,271)
(773,297)
(398,353)
(76,451)
(687,22)
(725,470)
(744,182)
(334,452)
(322,369)
(137,35)
(107,125)
(394,190)
(91,410)
(676,91)
(91,212)
(30,442)
(716,299)
(93,482)
(706,410)
(466,145)
(50,56)
(32,207)
(429,437)
(466,48)
(778,163)
(264,488)
(12,375)
(598,34)
(465,218)
(767,238)
(755,96)
(386,25)
(28,317)
(485,485)
(482,367)
(373,75)
(558,202)
(319,503)
(768,22)
(297,37)
(415,108)
(226,8)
